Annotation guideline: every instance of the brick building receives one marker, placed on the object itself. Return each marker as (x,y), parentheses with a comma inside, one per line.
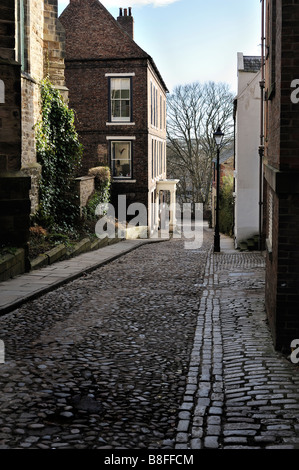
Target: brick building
(281,169)
(120,100)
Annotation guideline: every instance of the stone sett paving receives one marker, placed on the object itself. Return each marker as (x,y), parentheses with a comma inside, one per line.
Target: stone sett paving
(164,348)
(101,363)
(241,393)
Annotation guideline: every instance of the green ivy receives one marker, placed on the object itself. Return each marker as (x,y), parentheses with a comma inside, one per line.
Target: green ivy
(100,196)
(226,213)
(60,153)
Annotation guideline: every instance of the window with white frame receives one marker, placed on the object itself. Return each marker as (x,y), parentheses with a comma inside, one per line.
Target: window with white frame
(20,36)
(120,99)
(2,92)
(152,110)
(121,159)
(270,219)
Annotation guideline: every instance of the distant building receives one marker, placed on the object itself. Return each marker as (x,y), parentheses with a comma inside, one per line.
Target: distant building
(247,160)
(281,170)
(120,100)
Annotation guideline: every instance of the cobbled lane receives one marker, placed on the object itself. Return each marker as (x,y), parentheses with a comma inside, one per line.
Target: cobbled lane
(102,361)
(164,348)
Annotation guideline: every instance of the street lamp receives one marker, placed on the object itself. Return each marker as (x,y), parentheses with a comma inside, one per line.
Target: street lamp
(218,136)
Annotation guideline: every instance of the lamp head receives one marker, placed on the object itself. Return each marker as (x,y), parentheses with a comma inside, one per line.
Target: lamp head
(218,136)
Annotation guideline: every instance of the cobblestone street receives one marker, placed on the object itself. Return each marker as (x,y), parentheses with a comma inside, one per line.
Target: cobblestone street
(163,348)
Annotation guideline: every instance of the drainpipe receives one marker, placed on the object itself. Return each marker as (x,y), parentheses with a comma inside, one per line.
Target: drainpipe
(234,188)
(261,147)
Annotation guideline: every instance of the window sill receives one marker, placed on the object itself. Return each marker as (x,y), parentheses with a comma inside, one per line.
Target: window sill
(123,180)
(120,123)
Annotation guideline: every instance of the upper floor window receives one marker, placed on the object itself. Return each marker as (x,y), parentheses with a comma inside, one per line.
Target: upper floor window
(120,99)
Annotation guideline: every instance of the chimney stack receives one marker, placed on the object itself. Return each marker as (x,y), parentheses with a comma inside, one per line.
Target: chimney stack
(126,21)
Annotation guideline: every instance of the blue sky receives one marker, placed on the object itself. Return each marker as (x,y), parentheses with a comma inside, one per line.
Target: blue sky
(193,40)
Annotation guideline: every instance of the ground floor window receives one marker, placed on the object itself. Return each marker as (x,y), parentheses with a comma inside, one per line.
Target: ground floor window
(121,159)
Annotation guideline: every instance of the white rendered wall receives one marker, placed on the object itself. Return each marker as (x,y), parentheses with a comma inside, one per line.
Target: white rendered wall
(247,156)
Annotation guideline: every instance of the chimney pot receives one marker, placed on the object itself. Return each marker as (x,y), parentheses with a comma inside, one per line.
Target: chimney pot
(126,21)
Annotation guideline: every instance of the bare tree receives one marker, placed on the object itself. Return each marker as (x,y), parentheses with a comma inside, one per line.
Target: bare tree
(194,113)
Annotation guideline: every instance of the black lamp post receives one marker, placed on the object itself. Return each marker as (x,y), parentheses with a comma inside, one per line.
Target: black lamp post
(218,136)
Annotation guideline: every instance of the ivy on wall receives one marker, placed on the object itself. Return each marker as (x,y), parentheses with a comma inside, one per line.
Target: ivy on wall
(226,214)
(60,153)
(101,194)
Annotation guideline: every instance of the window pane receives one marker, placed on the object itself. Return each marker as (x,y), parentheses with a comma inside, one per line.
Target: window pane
(115,108)
(125,94)
(122,168)
(115,94)
(125,83)
(125,109)
(121,159)
(115,83)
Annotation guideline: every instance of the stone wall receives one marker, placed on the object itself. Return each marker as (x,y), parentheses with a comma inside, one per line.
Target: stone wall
(44,43)
(34,171)
(30,116)
(54,46)
(14,187)
(85,187)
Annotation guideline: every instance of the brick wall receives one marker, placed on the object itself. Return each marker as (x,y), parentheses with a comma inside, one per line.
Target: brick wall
(282,174)
(90,38)
(92,112)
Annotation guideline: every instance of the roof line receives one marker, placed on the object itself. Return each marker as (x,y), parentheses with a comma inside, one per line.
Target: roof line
(146,55)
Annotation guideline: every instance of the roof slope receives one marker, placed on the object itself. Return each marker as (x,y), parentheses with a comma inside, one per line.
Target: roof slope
(93,33)
(102,34)
(252,63)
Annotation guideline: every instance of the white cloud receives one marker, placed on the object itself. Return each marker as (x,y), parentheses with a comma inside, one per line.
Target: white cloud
(124,3)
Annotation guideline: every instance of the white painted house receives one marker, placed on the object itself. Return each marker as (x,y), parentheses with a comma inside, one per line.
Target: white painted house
(247,139)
